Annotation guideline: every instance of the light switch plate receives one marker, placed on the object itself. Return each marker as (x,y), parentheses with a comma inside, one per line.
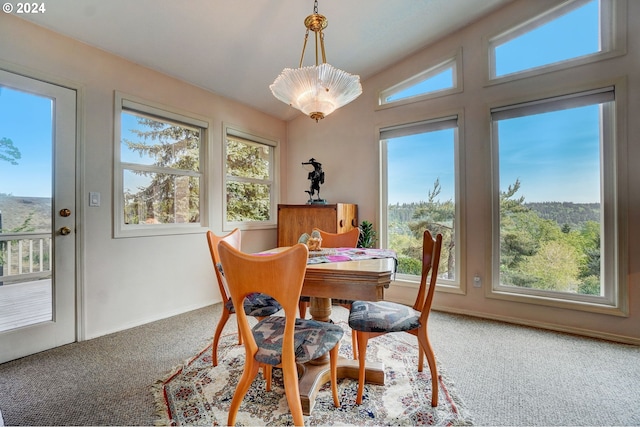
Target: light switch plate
(94,199)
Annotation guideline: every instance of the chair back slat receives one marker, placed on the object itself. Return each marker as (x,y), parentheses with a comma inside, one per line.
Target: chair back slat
(431,249)
(348,239)
(234,239)
(280,276)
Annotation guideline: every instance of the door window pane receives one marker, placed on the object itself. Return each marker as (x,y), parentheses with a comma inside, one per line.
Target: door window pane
(26,150)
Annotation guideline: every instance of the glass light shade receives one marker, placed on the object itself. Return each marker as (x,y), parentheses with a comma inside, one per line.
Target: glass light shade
(316,90)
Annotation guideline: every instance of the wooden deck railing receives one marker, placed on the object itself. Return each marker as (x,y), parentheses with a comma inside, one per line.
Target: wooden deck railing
(25,256)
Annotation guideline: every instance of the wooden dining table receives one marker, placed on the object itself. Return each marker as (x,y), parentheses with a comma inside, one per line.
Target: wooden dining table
(363,279)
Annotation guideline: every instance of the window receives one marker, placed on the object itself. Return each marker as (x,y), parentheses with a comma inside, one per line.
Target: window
(158,170)
(249,180)
(439,80)
(421,179)
(554,236)
(572,33)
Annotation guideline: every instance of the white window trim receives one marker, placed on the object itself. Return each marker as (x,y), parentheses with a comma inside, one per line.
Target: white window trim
(237,131)
(614,202)
(457,286)
(129,102)
(453,60)
(613,38)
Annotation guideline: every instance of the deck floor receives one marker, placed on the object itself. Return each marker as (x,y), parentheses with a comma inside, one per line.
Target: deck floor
(24,304)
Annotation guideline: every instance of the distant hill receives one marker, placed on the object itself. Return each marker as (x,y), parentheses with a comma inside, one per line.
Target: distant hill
(16,209)
(572,214)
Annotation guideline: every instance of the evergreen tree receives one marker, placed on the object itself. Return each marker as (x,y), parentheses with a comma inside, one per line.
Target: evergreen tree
(168,198)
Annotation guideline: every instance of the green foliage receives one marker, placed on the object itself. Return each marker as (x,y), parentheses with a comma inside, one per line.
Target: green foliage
(248,201)
(169,198)
(408,265)
(556,250)
(368,236)
(9,152)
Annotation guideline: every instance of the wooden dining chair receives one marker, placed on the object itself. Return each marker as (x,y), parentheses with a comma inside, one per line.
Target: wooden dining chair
(372,319)
(348,239)
(277,340)
(258,305)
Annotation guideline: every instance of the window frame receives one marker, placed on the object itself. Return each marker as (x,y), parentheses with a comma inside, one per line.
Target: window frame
(458,285)
(613,30)
(240,133)
(453,60)
(613,202)
(125,103)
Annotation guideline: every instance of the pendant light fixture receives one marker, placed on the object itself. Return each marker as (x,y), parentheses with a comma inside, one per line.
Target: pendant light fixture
(320,89)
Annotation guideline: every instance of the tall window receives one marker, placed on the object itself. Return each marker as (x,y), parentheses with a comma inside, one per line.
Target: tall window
(159,173)
(421,181)
(249,180)
(554,235)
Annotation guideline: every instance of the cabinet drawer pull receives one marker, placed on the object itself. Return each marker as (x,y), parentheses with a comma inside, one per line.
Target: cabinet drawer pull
(341,223)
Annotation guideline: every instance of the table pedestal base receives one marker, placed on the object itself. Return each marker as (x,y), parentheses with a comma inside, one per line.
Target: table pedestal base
(316,375)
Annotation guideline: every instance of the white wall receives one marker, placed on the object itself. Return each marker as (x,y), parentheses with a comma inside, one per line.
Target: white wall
(127,282)
(346,142)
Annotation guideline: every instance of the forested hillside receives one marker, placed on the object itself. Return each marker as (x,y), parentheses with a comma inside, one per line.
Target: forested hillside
(563,213)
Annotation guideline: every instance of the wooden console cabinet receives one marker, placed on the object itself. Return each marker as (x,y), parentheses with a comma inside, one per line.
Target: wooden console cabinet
(295,220)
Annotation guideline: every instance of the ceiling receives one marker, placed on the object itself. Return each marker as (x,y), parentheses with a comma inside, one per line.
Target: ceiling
(236,48)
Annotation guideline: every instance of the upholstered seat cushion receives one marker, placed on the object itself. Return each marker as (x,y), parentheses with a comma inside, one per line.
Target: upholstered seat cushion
(312,339)
(257,305)
(382,316)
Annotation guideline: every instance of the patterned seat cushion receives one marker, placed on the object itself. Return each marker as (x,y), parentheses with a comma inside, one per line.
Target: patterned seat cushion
(382,316)
(257,305)
(312,339)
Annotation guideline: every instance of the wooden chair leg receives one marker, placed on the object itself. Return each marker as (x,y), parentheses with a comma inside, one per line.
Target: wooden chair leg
(425,346)
(354,344)
(302,307)
(363,337)
(239,334)
(333,363)
(249,373)
(267,371)
(292,391)
(216,337)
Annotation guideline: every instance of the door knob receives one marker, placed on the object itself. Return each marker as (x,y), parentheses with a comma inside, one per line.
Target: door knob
(65,230)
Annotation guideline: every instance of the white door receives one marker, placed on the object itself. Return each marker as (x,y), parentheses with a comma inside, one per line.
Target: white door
(37,216)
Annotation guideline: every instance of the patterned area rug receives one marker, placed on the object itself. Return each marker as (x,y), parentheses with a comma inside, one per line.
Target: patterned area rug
(199,394)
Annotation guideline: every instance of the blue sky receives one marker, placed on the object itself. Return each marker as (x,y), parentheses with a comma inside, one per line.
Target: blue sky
(554,155)
(414,162)
(26,120)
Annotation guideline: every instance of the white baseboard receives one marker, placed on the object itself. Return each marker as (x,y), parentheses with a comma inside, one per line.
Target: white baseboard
(543,325)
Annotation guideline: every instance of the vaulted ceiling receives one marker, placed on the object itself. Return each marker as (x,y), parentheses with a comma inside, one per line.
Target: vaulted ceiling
(236,48)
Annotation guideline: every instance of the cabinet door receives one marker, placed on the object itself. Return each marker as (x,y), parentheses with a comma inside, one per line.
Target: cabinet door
(347,217)
(295,220)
